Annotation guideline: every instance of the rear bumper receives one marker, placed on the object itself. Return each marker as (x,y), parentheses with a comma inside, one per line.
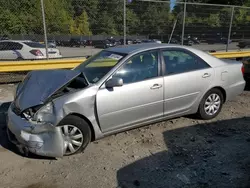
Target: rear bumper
(39,138)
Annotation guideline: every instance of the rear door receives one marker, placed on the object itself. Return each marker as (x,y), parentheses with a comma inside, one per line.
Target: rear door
(8,50)
(186,78)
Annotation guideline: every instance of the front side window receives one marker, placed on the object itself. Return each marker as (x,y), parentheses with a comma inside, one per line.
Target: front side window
(96,67)
(178,61)
(140,67)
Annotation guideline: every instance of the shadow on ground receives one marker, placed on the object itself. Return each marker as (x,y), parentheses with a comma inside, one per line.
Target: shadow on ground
(4,142)
(3,136)
(205,155)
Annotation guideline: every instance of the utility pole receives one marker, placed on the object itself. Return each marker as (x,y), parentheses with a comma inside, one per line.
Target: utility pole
(45,30)
(230,28)
(124,22)
(183,23)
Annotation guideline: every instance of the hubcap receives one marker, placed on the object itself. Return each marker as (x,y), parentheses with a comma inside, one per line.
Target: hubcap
(73,139)
(212,104)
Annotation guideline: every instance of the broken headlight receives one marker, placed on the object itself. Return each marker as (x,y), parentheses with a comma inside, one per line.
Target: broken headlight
(45,113)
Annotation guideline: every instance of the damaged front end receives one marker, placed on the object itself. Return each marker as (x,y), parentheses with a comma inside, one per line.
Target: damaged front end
(32,118)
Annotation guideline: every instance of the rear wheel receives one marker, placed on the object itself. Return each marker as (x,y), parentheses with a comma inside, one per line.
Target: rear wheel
(76,133)
(211,104)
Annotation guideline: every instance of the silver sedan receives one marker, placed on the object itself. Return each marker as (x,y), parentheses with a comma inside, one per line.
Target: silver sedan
(59,112)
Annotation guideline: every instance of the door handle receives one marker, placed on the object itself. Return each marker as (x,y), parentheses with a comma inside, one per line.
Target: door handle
(156,86)
(205,75)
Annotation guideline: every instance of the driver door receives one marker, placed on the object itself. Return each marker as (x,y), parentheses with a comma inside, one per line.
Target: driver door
(140,98)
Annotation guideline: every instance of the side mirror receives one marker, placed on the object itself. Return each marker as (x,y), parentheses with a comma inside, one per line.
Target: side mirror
(114,82)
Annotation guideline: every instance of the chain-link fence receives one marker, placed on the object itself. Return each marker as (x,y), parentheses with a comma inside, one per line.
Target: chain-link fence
(73,28)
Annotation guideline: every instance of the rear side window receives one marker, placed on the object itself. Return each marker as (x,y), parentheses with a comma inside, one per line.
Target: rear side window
(34,44)
(179,61)
(3,46)
(10,46)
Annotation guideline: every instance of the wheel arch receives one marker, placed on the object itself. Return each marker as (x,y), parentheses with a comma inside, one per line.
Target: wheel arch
(88,121)
(223,91)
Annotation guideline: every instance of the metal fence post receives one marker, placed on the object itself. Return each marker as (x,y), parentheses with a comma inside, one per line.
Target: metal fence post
(124,22)
(171,35)
(45,30)
(183,23)
(230,28)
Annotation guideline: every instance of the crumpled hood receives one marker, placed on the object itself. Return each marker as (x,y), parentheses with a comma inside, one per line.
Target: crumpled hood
(38,86)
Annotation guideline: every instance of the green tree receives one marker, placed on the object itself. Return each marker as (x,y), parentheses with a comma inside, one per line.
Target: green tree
(106,24)
(132,23)
(213,20)
(82,24)
(57,16)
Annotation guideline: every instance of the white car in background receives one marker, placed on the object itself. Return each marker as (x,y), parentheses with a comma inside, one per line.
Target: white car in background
(11,49)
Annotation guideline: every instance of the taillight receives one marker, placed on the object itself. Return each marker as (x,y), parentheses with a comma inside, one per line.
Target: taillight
(36,52)
(243,70)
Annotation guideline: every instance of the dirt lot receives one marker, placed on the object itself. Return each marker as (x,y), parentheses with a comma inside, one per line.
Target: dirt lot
(183,152)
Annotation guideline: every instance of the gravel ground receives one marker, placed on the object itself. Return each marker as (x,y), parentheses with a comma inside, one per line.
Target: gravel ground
(182,152)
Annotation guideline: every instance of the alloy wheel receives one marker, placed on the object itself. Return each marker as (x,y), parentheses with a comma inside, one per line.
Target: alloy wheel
(73,139)
(212,104)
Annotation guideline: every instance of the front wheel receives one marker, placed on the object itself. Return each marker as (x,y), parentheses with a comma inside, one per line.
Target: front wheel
(211,104)
(76,133)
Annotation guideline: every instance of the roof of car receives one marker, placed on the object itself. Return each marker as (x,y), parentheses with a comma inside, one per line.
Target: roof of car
(16,41)
(137,48)
(128,49)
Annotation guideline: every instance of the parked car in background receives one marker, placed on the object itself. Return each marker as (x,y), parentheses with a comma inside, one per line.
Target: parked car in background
(151,41)
(174,41)
(218,39)
(195,40)
(244,44)
(128,41)
(102,44)
(137,41)
(51,43)
(186,41)
(156,41)
(73,42)
(58,112)
(11,49)
(114,42)
(4,37)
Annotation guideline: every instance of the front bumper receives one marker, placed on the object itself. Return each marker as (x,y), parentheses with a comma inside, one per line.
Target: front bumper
(42,139)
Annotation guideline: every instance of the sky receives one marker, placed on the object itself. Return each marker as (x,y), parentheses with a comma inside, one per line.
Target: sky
(172,4)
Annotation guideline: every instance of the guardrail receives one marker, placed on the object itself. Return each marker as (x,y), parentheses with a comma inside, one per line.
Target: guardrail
(228,55)
(18,66)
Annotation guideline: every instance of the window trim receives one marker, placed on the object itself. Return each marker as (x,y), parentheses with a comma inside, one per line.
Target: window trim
(181,50)
(159,67)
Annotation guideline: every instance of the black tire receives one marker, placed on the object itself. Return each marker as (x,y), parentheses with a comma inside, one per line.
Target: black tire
(83,126)
(201,111)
